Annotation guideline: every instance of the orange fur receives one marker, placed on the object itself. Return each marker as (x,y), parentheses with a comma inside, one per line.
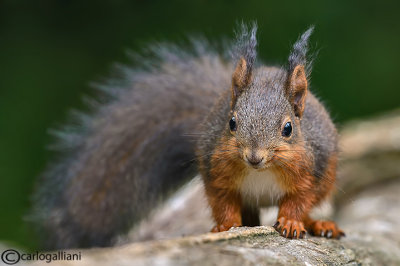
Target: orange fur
(325,228)
(298,89)
(293,165)
(295,207)
(221,191)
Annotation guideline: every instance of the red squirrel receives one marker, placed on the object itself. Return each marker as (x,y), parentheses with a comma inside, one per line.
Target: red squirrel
(279,143)
(260,137)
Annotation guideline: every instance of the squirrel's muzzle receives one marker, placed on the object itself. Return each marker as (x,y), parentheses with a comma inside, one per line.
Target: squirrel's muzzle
(254,161)
(256,157)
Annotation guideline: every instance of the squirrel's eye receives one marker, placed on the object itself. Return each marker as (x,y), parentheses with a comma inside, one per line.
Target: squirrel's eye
(232,124)
(287,129)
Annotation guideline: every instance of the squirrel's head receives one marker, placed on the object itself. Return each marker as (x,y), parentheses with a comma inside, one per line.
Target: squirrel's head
(267,104)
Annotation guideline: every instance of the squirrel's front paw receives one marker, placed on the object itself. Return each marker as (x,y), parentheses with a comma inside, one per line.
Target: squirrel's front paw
(290,228)
(326,229)
(224,227)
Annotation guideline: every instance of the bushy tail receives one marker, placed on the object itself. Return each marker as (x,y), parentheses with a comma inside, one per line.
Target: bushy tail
(119,162)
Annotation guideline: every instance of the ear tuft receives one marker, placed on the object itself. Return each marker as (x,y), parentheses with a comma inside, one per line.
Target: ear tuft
(298,55)
(298,71)
(244,53)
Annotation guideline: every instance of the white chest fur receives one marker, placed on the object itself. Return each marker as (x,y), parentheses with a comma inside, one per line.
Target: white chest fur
(261,188)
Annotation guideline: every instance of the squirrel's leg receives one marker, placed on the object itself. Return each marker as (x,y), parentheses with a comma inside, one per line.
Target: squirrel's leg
(292,209)
(250,216)
(226,208)
(328,229)
(294,219)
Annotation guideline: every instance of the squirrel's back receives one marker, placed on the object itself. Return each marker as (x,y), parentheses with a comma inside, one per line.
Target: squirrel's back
(120,161)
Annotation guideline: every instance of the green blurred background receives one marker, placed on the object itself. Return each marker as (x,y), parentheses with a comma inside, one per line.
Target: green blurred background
(51,50)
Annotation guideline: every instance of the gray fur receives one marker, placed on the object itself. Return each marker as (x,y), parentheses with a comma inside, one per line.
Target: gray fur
(117,163)
(319,133)
(261,109)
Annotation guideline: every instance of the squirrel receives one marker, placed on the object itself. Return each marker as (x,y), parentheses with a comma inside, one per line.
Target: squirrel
(255,133)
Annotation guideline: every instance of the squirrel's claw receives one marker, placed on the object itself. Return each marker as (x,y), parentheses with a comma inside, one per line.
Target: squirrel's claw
(290,228)
(326,229)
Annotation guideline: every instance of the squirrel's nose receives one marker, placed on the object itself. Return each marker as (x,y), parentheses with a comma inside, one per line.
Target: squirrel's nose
(254,160)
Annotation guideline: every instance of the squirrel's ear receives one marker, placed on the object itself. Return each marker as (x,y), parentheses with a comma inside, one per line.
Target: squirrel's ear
(298,70)
(244,53)
(240,79)
(297,89)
